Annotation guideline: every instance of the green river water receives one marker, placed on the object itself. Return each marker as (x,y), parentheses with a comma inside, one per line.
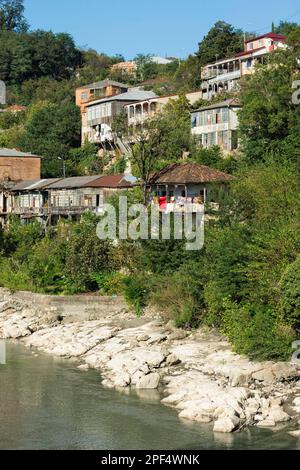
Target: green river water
(47,403)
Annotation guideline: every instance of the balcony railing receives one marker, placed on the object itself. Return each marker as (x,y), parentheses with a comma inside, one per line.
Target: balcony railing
(53,210)
(224,75)
(178,204)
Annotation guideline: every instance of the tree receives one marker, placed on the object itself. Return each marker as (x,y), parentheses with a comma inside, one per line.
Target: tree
(161,140)
(269,119)
(12,16)
(51,130)
(285,27)
(188,75)
(145,67)
(221,41)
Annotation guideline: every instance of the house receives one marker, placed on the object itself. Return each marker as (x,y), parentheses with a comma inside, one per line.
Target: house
(217,124)
(48,200)
(101,89)
(138,112)
(92,92)
(124,68)
(17,166)
(224,75)
(182,186)
(101,114)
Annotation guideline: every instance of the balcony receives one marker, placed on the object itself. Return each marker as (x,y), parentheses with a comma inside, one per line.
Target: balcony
(225,76)
(179,205)
(30,211)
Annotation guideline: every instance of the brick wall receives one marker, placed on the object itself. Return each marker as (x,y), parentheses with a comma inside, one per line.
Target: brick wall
(17,168)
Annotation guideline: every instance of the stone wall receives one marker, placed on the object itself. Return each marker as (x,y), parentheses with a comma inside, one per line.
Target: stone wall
(73,308)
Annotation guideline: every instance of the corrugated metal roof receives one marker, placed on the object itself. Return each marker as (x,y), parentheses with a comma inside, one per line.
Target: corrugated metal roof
(103,84)
(31,185)
(113,181)
(4,152)
(73,182)
(189,173)
(133,95)
(221,104)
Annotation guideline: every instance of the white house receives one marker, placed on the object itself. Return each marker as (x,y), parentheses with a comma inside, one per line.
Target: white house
(217,124)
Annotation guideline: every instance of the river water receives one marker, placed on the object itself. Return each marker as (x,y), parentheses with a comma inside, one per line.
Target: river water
(47,403)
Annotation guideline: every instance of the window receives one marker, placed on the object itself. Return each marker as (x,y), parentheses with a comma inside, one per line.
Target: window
(223,139)
(225,115)
(218,116)
(251,45)
(194,121)
(84,96)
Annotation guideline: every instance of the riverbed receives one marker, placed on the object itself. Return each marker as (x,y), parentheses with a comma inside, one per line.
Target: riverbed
(48,403)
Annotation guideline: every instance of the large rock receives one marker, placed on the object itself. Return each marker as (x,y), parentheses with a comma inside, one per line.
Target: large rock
(295,433)
(193,415)
(150,381)
(226,425)
(266,423)
(264,375)
(278,415)
(297,401)
(284,371)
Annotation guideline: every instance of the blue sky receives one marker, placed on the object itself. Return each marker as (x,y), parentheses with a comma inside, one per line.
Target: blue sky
(162,27)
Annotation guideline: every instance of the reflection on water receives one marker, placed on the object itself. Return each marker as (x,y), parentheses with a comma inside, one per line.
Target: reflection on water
(47,403)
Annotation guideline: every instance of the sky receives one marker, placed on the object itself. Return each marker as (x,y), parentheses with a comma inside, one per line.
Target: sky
(160,27)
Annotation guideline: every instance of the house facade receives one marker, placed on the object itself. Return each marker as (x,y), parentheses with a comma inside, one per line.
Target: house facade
(138,112)
(184,187)
(224,75)
(100,114)
(16,165)
(217,124)
(48,200)
(125,68)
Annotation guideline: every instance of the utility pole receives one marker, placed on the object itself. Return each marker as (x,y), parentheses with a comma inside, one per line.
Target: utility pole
(64,166)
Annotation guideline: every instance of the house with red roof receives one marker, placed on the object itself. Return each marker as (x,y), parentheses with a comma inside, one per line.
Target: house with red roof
(224,74)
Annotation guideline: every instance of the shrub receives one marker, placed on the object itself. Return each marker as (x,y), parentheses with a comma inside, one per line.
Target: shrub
(110,283)
(179,296)
(290,292)
(136,292)
(257,332)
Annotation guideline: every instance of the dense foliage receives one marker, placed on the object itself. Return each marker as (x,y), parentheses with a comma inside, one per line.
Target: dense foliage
(246,279)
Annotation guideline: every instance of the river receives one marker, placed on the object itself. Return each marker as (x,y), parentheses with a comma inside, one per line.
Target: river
(47,403)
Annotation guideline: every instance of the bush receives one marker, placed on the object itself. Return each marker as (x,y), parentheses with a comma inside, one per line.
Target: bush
(257,332)
(179,296)
(290,292)
(85,255)
(110,283)
(136,292)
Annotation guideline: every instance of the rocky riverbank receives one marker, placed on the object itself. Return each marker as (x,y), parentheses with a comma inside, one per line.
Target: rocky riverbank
(197,372)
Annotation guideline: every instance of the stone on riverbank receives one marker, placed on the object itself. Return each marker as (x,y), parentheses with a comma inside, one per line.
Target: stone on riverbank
(202,377)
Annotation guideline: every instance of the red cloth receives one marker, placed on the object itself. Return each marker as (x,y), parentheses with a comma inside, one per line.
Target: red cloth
(163,202)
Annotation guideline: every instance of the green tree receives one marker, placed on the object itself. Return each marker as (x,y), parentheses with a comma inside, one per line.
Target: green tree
(12,16)
(269,119)
(221,41)
(285,27)
(145,67)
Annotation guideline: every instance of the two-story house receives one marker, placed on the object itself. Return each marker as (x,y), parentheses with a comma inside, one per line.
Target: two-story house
(224,75)
(96,91)
(102,112)
(217,124)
